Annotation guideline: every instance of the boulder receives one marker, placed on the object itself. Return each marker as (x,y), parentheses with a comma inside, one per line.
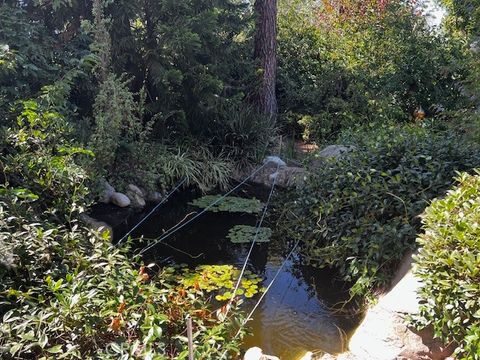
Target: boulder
(335,151)
(120,200)
(99,226)
(136,196)
(107,192)
(255,353)
(286,175)
(385,333)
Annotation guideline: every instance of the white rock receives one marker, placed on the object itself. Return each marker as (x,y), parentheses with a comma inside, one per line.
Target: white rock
(255,353)
(135,189)
(96,225)
(335,151)
(136,196)
(275,160)
(120,200)
(307,356)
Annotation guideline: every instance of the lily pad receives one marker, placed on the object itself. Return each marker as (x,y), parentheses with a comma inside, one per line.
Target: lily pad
(221,280)
(231,204)
(242,234)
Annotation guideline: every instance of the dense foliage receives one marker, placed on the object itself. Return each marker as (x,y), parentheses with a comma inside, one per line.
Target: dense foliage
(360,213)
(149,92)
(448,263)
(340,67)
(66,292)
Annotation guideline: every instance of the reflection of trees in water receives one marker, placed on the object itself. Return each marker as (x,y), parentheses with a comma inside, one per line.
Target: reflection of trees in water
(296,313)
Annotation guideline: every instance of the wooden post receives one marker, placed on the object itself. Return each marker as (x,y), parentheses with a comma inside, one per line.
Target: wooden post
(190,337)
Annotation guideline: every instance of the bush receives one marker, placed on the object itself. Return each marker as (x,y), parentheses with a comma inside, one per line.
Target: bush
(41,162)
(343,63)
(68,293)
(448,264)
(360,213)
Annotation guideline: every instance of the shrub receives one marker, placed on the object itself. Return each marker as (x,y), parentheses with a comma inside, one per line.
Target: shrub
(360,213)
(40,159)
(448,263)
(68,293)
(74,295)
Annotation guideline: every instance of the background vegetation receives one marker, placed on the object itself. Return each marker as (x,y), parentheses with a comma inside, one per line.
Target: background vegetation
(151,91)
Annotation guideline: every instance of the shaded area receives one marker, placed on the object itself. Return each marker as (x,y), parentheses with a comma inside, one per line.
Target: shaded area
(295,316)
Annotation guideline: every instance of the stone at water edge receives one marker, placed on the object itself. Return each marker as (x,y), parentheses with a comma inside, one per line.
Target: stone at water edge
(307,356)
(96,225)
(107,192)
(120,200)
(136,196)
(275,160)
(154,196)
(255,353)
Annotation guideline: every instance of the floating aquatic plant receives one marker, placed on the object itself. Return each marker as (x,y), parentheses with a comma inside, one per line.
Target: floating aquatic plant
(241,234)
(231,204)
(221,279)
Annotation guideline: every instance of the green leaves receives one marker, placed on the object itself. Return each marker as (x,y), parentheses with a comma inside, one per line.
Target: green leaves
(448,263)
(360,213)
(220,279)
(230,204)
(241,234)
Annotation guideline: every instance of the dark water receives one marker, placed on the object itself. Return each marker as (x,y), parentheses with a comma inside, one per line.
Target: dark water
(295,316)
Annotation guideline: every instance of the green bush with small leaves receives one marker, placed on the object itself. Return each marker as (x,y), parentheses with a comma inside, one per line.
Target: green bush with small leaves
(448,264)
(360,213)
(68,293)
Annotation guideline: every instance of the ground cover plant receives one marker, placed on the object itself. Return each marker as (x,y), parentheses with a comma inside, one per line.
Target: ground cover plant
(66,292)
(448,263)
(151,92)
(360,213)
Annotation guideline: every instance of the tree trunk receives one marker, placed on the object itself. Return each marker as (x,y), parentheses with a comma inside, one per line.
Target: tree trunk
(266,55)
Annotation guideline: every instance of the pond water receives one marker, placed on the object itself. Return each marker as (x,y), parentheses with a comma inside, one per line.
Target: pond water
(296,314)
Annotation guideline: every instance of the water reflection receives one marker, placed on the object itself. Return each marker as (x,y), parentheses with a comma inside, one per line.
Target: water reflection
(295,315)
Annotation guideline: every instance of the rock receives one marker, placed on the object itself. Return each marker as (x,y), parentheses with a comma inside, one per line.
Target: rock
(98,226)
(255,353)
(154,196)
(135,189)
(385,333)
(307,356)
(335,151)
(107,192)
(136,196)
(286,176)
(475,46)
(120,200)
(274,160)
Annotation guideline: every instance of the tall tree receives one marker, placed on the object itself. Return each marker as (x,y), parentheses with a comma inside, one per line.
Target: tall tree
(266,55)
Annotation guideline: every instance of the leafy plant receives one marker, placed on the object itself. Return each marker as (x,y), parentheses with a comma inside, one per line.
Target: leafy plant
(360,213)
(41,159)
(448,265)
(231,204)
(241,234)
(220,279)
(66,292)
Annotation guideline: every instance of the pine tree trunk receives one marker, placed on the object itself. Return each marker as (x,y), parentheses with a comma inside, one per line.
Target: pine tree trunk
(266,55)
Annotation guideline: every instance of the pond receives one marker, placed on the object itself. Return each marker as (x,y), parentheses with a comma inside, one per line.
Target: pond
(296,314)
